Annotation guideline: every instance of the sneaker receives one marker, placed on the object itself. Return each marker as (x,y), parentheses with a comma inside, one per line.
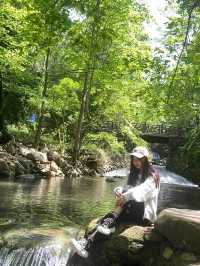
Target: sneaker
(107,227)
(80,247)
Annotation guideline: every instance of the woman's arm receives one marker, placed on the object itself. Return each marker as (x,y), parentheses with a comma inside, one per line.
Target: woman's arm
(142,192)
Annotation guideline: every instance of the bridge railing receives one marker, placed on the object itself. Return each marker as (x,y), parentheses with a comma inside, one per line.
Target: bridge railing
(144,128)
(161,129)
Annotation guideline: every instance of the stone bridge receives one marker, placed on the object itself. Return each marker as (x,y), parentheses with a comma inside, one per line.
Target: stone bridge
(161,133)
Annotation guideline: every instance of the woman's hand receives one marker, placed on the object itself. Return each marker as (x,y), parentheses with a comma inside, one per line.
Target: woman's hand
(156,178)
(120,200)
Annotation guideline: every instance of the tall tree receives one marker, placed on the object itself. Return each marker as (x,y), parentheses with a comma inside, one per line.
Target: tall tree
(47,21)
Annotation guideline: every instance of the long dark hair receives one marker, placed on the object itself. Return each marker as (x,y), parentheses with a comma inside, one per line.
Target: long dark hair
(147,169)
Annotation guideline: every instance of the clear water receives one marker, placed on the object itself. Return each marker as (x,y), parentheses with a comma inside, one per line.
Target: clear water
(64,203)
(55,202)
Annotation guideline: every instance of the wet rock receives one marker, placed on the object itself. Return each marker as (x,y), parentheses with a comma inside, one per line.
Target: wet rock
(184,259)
(35,163)
(1,241)
(24,151)
(92,164)
(181,227)
(28,238)
(27,176)
(129,245)
(44,169)
(91,172)
(54,156)
(53,166)
(19,169)
(188,257)
(154,236)
(66,167)
(124,247)
(4,169)
(134,233)
(167,253)
(37,156)
(75,172)
(111,179)
(6,224)
(27,164)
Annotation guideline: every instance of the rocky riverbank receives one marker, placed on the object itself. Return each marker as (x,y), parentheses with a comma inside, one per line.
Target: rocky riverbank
(175,241)
(19,161)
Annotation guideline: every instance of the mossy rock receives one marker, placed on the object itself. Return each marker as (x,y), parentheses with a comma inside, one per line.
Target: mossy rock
(29,238)
(6,224)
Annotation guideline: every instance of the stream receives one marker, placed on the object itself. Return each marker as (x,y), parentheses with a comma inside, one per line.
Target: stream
(38,217)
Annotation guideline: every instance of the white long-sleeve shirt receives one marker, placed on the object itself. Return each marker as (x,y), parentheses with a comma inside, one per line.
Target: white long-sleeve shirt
(146,192)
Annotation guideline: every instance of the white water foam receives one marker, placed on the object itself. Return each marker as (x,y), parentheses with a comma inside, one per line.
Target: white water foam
(165,175)
(52,255)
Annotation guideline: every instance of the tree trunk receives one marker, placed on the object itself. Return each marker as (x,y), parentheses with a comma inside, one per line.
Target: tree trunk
(80,120)
(184,45)
(44,94)
(87,84)
(5,136)
(1,105)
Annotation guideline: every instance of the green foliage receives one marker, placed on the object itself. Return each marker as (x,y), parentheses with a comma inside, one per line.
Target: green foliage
(104,140)
(191,151)
(133,135)
(48,60)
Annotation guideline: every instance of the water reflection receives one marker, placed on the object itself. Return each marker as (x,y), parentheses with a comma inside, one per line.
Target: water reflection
(55,201)
(61,202)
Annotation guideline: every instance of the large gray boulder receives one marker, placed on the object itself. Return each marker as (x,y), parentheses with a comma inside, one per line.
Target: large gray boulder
(181,227)
(37,156)
(54,156)
(137,245)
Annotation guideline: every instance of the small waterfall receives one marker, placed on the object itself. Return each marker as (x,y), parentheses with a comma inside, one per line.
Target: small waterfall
(51,255)
(167,177)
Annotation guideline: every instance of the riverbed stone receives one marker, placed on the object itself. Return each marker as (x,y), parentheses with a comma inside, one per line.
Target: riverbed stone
(27,164)
(27,177)
(37,156)
(54,156)
(167,253)
(53,166)
(129,245)
(28,238)
(19,169)
(111,179)
(24,151)
(181,227)
(4,169)
(188,257)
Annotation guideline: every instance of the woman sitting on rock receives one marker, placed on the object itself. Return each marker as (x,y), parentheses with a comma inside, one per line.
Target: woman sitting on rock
(135,203)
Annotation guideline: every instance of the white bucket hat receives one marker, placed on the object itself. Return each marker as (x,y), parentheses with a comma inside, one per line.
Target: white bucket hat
(140,152)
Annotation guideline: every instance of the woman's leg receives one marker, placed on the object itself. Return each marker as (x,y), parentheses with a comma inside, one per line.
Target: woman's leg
(105,226)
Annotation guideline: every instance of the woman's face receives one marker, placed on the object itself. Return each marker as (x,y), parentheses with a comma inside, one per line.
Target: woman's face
(137,162)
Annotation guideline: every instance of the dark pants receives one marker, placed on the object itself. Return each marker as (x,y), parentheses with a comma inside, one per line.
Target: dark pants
(132,212)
